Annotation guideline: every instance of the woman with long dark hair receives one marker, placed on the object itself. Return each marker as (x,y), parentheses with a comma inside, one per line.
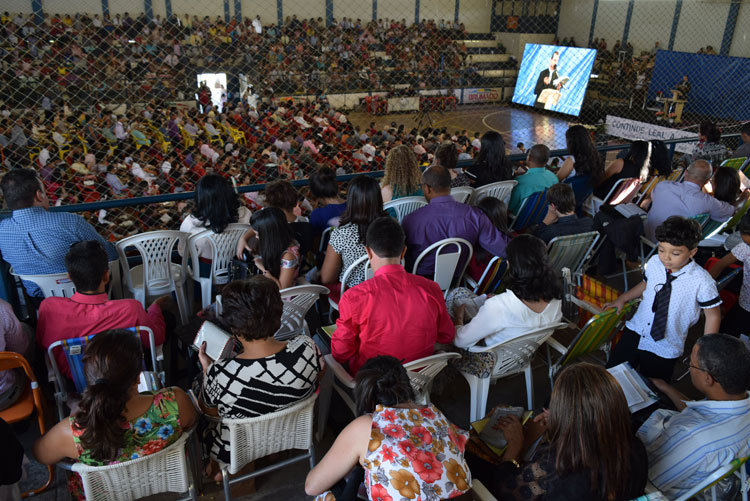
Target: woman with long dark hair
(585,160)
(364,204)
(490,165)
(447,156)
(590,451)
(114,423)
(407,448)
(497,212)
(532,298)
(216,205)
(277,252)
(726,185)
(636,163)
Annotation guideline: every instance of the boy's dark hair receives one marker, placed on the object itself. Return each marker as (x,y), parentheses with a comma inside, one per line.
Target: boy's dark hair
(323,183)
(744,225)
(679,231)
(86,262)
(281,194)
(727,360)
(385,237)
(563,196)
(19,187)
(745,129)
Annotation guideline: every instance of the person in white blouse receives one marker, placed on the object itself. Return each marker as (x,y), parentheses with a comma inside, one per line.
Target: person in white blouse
(216,205)
(531,300)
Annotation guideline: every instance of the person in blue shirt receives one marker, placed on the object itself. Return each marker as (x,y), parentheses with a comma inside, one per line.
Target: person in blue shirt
(34,240)
(325,191)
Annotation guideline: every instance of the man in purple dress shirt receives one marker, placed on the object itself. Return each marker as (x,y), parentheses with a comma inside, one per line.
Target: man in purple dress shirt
(444,218)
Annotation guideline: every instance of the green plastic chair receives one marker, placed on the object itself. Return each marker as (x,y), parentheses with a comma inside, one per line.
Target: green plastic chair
(735,467)
(599,330)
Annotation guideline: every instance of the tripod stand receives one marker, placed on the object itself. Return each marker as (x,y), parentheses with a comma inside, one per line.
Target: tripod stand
(423,116)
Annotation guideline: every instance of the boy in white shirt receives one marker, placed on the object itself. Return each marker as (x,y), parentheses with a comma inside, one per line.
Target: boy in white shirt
(674,290)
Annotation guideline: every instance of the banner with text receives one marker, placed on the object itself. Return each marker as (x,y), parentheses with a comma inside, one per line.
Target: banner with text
(486,95)
(633,129)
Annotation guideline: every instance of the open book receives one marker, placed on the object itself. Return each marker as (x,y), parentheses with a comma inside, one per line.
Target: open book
(630,209)
(638,395)
(219,343)
(560,80)
(491,434)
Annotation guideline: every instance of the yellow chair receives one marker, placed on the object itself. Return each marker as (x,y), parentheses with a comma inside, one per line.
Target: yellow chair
(216,138)
(186,138)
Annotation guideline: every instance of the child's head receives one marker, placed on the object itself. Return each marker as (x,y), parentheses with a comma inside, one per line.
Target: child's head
(678,239)
(497,211)
(744,227)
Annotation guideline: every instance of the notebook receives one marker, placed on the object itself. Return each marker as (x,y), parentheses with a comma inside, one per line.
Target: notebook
(493,437)
(219,343)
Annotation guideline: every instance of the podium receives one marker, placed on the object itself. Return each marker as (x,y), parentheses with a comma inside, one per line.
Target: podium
(679,104)
(549,97)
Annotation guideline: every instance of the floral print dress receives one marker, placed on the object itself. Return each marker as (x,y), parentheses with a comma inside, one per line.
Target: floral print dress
(415,454)
(151,432)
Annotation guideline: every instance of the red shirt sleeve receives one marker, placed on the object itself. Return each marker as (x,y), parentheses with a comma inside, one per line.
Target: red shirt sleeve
(345,339)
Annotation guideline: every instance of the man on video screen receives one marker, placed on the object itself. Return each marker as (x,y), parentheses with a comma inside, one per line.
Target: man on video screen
(547,79)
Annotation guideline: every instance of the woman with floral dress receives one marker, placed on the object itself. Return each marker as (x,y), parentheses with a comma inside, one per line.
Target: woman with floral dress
(114,423)
(407,451)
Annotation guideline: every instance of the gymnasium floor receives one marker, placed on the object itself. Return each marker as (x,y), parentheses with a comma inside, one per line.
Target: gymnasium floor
(516,125)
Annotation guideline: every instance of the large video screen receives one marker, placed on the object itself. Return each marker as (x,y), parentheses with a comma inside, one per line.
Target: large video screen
(553,77)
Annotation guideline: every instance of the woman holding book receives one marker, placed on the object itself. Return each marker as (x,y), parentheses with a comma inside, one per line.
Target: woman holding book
(406,449)
(266,375)
(588,451)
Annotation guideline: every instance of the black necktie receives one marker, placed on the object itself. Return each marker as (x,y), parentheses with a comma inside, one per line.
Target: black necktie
(660,308)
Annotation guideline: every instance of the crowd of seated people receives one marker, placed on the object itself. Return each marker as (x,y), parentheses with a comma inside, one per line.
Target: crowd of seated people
(101,58)
(373,312)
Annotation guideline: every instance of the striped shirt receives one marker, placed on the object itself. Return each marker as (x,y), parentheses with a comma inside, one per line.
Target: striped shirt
(685,447)
(34,241)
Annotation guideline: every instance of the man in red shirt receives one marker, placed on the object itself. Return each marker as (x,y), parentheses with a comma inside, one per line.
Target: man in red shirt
(394,313)
(89,310)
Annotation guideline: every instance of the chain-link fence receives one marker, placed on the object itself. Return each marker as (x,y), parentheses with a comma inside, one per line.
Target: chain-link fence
(114,100)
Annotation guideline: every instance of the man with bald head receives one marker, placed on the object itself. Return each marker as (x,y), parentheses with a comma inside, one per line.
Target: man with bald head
(442,218)
(685,199)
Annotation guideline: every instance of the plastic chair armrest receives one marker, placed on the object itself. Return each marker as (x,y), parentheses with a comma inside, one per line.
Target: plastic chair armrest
(341,374)
(553,343)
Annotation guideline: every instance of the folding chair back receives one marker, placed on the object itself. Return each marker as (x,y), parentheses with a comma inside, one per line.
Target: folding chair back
(491,280)
(165,471)
(736,466)
(623,191)
(738,215)
(738,163)
(404,206)
(571,251)
(532,211)
(598,330)
(31,400)
(676,175)
(500,190)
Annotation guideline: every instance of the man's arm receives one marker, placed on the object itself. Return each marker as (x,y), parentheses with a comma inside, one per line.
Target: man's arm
(345,339)
(720,211)
(722,265)
(677,397)
(540,82)
(87,232)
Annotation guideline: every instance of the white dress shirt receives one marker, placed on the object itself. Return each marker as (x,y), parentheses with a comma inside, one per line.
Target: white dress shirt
(693,289)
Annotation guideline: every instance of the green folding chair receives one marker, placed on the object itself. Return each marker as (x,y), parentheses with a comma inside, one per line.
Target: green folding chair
(738,163)
(735,467)
(571,251)
(600,329)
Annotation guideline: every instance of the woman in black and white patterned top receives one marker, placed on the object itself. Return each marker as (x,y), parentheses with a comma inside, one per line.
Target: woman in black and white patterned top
(268,375)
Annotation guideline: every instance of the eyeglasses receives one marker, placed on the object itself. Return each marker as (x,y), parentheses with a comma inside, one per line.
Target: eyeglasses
(686,362)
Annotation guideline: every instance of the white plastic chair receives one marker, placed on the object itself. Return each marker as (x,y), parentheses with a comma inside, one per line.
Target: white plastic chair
(404,206)
(52,285)
(158,275)
(363,261)
(254,438)
(446,263)
(223,248)
(422,373)
(500,190)
(462,194)
(513,356)
(297,302)
(165,471)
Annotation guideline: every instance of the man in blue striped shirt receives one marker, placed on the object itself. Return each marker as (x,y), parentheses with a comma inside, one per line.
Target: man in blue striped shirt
(33,240)
(685,447)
